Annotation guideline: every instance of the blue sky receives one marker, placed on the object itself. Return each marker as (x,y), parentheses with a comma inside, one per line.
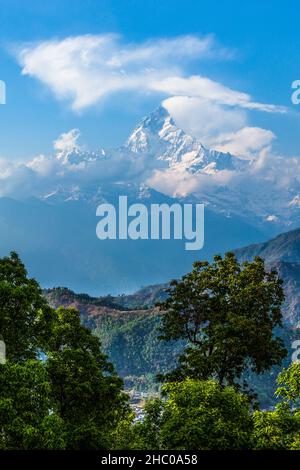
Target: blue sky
(255,50)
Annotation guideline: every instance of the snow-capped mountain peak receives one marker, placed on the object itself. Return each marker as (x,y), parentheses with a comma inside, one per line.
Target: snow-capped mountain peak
(77,156)
(149,132)
(158,137)
(161,156)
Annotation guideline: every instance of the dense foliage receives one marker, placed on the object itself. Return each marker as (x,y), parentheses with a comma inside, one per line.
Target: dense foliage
(227,313)
(197,415)
(133,345)
(57,389)
(204,415)
(280,429)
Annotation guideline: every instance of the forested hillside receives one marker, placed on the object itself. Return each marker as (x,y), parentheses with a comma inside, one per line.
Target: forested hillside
(127,325)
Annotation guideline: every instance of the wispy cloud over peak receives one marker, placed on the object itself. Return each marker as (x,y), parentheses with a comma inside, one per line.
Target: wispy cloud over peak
(85,69)
(210,90)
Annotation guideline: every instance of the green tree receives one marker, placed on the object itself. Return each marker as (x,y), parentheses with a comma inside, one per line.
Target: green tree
(197,415)
(227,312)
(25,316)
(147,435)
(26,408)
(289,385)
(57,388)
(87,392)
(280,429)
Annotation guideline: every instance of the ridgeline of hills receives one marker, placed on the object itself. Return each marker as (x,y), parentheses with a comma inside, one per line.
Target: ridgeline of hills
(128,324)
(284,247)
(128,328)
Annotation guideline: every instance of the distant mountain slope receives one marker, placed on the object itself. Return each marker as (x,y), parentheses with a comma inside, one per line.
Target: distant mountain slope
(290,273)
(281,253)
(129,337)
(128,324)
(284,247)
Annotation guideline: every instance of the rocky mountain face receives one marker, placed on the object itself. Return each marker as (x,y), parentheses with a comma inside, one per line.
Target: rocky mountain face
(163,142)
(229,185)
(129,335)
(285,247)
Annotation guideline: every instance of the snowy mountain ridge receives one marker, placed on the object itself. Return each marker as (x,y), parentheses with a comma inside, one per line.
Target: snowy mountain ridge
(228,184)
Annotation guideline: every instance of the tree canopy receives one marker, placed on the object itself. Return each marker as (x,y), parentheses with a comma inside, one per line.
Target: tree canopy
(196,415)
(57,388)
(280,429)
(59,391)
(228,314)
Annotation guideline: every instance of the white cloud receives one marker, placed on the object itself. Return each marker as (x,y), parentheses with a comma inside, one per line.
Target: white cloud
(6,168)
(86,69)
(155,50)
(42,165)
(204,119)
(221,127)
(181,183)
(246,142)
(271,218)
(67,141)
(213,91)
